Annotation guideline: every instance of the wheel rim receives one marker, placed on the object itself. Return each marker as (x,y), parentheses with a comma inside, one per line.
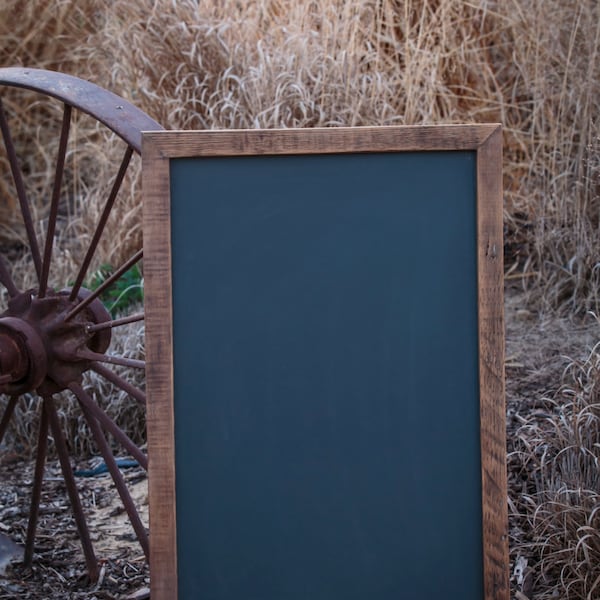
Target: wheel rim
(50,337)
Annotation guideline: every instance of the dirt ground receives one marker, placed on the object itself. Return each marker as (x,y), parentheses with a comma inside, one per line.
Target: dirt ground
(537,351)
(58,569)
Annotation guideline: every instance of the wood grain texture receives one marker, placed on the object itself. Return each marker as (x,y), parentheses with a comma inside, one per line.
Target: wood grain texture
(157,150)
(491,368)
(324,140)
(159,374)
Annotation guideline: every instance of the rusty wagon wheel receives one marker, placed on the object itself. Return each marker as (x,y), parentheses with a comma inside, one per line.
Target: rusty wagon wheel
(50,337)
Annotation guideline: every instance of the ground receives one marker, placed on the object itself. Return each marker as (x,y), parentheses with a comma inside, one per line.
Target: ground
(58,569)
(537,351)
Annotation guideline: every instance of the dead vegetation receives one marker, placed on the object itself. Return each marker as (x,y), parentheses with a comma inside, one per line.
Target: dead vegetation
(532,65)
(553,419)
(59,570)
(557,454)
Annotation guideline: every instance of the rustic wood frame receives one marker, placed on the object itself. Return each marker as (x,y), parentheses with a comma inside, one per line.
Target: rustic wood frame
(161,146)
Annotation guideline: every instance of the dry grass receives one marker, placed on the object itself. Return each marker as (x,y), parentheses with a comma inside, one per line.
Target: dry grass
(560,134)
(45,35)
(287,64)
(559,454)
(57,35)
(531,64)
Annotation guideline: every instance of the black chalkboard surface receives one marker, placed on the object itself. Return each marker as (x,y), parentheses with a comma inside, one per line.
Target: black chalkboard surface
(324,331)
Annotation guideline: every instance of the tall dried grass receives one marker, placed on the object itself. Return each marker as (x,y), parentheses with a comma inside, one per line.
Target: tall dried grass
(303,64)
(56,35)
(530,64)
(558,93)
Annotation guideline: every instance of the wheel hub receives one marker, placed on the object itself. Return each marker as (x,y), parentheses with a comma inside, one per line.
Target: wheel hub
(39,349)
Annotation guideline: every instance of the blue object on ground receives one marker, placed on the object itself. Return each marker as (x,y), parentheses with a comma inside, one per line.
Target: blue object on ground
(122,463)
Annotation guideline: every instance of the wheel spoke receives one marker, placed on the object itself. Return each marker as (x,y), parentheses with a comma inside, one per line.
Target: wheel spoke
(6,279)
(116,322)
(101,224)
(112,360)
(115,473)
(109,425)
(36,492)
(119,382)
(8,411)
(60,167)
(20,187)
(63,456)
(105,285)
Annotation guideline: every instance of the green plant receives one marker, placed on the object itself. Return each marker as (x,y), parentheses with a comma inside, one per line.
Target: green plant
(127,291)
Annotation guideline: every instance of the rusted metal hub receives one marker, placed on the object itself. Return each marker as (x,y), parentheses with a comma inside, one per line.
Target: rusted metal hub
(39,349)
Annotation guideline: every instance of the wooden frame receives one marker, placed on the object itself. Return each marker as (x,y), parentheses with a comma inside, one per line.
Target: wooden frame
(160,147)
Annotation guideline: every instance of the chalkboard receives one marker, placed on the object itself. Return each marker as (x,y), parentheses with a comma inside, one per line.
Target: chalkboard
(325,364)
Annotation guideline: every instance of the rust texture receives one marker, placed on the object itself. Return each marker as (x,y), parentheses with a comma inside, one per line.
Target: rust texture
(122,117)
